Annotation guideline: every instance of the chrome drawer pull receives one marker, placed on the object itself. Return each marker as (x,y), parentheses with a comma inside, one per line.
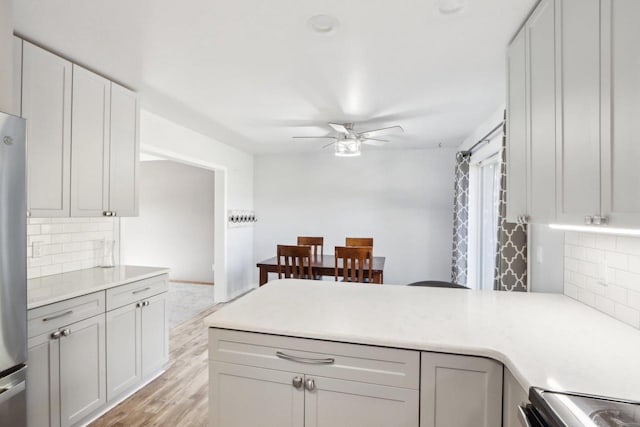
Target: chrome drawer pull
(141,290)
(57,316)
(308,361)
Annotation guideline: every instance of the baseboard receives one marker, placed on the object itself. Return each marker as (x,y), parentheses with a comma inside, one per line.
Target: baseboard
(191,282)
(121,399)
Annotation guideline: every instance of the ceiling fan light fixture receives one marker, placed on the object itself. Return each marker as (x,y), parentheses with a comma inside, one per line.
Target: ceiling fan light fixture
(348,147)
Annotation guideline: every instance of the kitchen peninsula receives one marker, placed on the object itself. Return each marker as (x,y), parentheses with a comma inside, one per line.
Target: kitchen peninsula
(307,353)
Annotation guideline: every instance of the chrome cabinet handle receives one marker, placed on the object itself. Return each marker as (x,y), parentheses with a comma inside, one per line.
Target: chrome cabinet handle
(66,332)
(297,382)
(310,384)
(146,304)
(588,220)
(600,220)
(138,304)
(306,360)
(522,416)
(137,291)
(106,213)
(57,316)
(56,335)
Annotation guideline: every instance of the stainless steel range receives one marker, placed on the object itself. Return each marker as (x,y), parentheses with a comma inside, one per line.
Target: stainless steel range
(13,272)
(554,409)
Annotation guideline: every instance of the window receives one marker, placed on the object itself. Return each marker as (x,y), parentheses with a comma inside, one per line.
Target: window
(484,197)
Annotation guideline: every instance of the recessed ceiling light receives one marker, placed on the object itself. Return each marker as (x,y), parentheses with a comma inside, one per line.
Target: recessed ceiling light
(323,24)
(450,7)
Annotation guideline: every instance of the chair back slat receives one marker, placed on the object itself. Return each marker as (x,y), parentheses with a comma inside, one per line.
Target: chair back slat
(359,241)
(316,243)
(296,260)
(356,262)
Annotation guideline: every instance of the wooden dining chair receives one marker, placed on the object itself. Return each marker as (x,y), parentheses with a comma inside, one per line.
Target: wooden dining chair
(315,243)
(359,241)
(294,262)
(357,263)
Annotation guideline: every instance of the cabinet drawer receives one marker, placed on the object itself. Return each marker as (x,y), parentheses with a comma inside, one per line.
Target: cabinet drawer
(54,316)
(136,291)
(368,364)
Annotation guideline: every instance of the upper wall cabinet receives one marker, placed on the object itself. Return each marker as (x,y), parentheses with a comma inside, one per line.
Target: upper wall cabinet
(531,119)
(82,138)
(46,105)
(17,77)
(582,79)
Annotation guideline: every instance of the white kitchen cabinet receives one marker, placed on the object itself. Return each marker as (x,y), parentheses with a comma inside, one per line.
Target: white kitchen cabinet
(104,145)
(541,113)
(67,373)
(17,76)
(82,370)
(137,334)
(43,380)
(89,143)
(339,403)
(516,155)
(46,105)
(578,154)
(531,119)
(124,360)
(123,152)
(243,396)
(460,391)
(154,335)
(513,395)
(620,105)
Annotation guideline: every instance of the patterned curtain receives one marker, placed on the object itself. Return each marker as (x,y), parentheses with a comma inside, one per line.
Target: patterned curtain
(461,220)
(511,253)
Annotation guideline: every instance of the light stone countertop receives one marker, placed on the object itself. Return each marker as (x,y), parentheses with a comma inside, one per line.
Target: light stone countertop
(59,287)
(545,340)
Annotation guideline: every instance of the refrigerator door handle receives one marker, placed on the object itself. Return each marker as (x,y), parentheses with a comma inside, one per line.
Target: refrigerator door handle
(10,391)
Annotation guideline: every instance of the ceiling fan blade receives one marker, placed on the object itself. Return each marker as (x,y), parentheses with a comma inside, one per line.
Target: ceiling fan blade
(373,141)
(329,144)
(382,131)
(339,128)
(314,137)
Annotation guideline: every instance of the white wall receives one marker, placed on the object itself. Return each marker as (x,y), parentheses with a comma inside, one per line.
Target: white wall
(6,56)
(233,248)
(402,198)
(175,228)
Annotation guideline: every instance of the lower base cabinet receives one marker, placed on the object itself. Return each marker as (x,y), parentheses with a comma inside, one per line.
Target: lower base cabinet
(268,380)
(513,395)
(66,379)
(460,391)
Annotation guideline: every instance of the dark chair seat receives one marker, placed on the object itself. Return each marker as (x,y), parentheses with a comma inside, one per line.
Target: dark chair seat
(437,284)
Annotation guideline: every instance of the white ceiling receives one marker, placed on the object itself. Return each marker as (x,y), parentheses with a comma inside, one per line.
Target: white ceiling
(252,74)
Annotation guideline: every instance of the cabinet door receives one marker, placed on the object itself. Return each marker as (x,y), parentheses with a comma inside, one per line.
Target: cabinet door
(43,382)
(124,362)
(620,106)
(513,395)
(46,105)
(89,143)
(460,391)
(340,403)
(124,152)
(155,335)
(541,89)
(516,155)
(82,370)
(17,76)
(578,154)
(243,396)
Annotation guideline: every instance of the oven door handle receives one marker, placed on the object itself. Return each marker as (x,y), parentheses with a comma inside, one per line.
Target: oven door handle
(10,391)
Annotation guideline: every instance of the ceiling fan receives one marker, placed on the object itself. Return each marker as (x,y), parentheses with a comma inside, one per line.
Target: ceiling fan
(348,142)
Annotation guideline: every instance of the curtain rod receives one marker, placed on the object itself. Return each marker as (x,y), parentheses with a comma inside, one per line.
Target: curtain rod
(483,139)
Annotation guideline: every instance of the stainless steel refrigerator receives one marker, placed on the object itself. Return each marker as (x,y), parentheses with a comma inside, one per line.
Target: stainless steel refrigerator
(13,272)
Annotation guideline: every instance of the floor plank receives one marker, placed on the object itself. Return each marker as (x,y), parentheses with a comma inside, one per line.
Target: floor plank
(180,395)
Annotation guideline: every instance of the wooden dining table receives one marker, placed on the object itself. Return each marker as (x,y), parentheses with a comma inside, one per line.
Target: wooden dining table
(322,266)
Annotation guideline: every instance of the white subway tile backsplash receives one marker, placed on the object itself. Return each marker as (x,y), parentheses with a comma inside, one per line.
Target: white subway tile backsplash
(67,244)
(603,271)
